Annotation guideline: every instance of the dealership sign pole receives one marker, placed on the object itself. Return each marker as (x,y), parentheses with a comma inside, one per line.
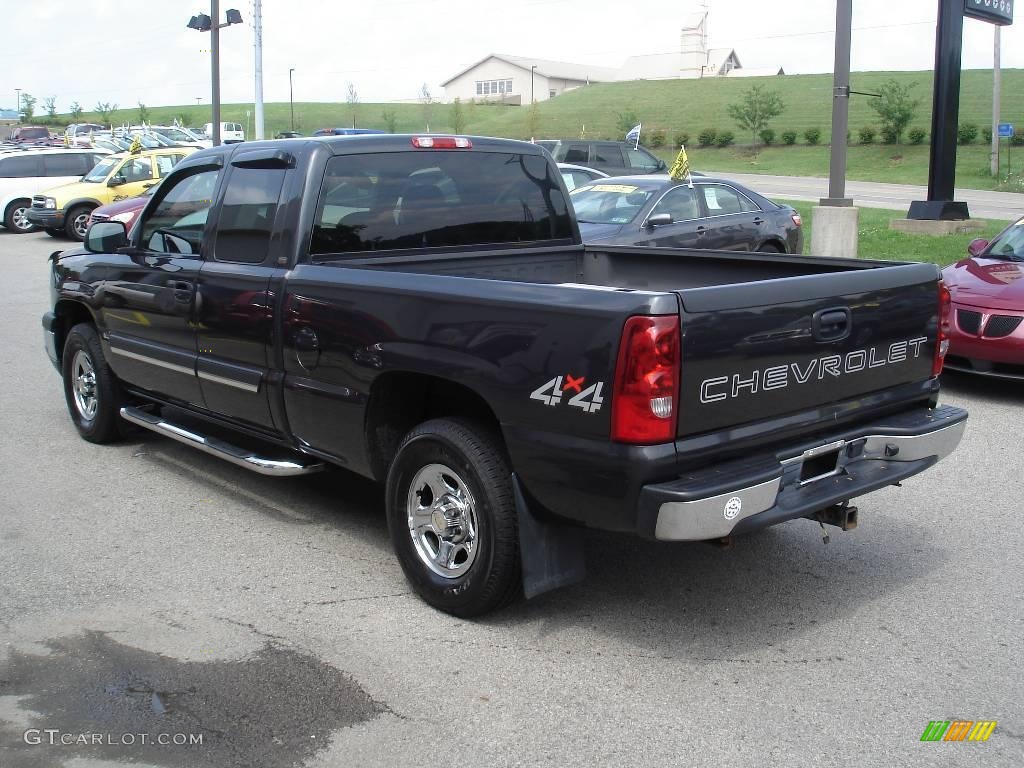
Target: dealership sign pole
(946,103)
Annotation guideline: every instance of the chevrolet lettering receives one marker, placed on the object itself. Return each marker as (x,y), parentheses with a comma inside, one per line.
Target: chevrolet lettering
(421,311)
(720,388)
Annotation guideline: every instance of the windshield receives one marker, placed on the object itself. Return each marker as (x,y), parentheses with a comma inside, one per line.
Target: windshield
(101,170)
(1009,245)
(608,203)
(175,134)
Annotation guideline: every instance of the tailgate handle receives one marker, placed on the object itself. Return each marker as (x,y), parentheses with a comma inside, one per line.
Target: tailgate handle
(832,324)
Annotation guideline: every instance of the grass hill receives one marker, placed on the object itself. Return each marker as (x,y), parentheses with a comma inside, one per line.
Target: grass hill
(674,106)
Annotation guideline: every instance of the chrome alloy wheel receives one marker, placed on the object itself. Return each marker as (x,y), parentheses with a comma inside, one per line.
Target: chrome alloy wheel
(81,223)
(84,383)
(442,521)
(20,218)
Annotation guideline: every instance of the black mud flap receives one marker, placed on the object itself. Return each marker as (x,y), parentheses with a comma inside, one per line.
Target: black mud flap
(552,554)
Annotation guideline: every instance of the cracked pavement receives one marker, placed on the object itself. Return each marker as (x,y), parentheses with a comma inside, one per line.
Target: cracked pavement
(144,584)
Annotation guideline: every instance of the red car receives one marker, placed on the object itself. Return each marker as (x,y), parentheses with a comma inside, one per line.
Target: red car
(126,211)
(987,334)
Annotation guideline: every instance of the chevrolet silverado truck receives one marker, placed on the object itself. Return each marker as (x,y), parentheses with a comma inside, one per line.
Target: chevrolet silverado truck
(420,310)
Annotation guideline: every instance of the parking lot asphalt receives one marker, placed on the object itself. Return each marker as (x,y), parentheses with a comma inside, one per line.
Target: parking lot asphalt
(146,588)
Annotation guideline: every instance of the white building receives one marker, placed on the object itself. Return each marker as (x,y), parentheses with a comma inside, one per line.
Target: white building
(519,80)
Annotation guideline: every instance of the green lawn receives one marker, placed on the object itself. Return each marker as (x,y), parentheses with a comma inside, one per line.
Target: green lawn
(675,107)
(877,241)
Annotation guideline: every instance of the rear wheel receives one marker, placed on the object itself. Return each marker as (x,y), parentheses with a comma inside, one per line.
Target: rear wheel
(452,517)
(16,217)
(770,248)
(76,222)
(91,389)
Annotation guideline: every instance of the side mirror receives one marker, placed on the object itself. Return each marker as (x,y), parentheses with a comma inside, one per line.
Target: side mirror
(106,237)
(117,181)
(977,246)
(658,220)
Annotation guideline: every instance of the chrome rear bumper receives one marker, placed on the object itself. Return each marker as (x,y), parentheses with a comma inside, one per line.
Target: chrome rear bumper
(745,496)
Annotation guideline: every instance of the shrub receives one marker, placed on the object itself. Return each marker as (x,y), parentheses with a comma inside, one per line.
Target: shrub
(789,138)
(767,136)
(917,135)
(707,137)
(890,135)
(812,136)
(986,134)
(867,135)
(682,139)
(1017,140)
(657,138)
(725,138)
(967,133)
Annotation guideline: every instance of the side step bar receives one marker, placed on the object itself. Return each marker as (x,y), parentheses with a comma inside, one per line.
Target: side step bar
(215,447)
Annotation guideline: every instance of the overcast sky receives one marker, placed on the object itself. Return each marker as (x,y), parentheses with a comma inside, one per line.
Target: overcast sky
(126,51)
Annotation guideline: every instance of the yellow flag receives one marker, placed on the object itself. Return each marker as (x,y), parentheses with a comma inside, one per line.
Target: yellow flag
(681,167)
(136,146)
(67,140)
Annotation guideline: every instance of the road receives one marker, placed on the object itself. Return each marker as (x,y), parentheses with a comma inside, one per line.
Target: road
(1004,206)
(148,589)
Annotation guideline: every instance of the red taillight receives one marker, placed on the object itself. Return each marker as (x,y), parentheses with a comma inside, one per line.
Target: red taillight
(942,339)
(441,142)
(647,381)
(798,220)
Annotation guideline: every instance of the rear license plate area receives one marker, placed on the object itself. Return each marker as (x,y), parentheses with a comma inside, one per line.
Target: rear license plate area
(817,467)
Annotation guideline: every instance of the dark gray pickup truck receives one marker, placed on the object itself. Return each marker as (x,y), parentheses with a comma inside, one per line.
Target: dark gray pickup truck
(420,310)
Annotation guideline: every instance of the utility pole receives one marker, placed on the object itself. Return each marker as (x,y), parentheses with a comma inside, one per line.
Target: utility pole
(258,28)
(836,220)
(291,96)
(215,68)
(997,77)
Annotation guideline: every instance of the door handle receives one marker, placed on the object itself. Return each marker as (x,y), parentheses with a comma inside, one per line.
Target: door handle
(183,290)
(306,340)
(832,324)
(702,231)
(759,221)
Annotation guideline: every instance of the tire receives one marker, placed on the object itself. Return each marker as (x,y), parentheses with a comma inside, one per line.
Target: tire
(54,231)
(76,222)
(15,219)
(455,474)
(92,392)
(769,248)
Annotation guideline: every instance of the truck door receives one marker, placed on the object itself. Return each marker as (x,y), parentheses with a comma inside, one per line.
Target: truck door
(148,296)
(235,302)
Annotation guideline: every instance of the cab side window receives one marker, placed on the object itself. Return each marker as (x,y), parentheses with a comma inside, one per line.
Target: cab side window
(165,163)
(176,224)
(606,154)
(19,167)
(721,201)
(641,160)
(681,202)
(136,169)
(247,214)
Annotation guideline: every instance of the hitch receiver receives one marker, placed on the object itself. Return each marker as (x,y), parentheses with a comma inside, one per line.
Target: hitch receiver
(841,516)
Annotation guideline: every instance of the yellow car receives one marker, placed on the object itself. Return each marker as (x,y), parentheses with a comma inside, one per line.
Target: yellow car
(65,210)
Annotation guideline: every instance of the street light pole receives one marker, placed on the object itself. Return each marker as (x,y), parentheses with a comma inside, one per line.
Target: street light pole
(17,104)
(291,97)
(215,68)
(840,106)
(532,70)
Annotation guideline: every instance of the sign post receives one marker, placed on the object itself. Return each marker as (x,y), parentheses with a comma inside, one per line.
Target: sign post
(946,104)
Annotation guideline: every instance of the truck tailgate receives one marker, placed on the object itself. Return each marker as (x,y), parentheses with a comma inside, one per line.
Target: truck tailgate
(765,349)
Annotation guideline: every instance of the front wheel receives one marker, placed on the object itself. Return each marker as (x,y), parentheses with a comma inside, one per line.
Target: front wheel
(16,217)
(452,517)
(92,391)
(76,222)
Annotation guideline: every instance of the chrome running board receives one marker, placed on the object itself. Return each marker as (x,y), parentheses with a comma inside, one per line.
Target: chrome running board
(215,447)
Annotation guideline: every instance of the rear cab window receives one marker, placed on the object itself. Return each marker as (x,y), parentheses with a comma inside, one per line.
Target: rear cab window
(19,167)
(438,199)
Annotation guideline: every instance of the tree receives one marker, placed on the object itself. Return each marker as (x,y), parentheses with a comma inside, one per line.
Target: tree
(143,114)
(105,110)
(50,105)
(626,121)
(28,106)
(390,120)
(352,97)
(76,111)
(428,104)
(755,110)
(895,107)
(458,117)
